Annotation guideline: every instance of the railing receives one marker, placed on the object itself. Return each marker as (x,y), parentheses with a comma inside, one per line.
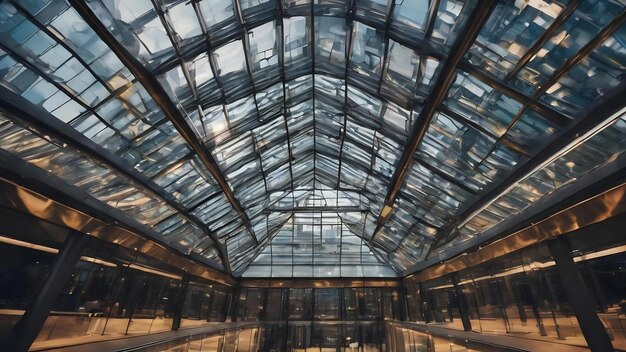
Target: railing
(301,336)
(162,341)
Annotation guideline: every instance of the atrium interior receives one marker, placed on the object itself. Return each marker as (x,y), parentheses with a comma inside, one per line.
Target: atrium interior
(313,175)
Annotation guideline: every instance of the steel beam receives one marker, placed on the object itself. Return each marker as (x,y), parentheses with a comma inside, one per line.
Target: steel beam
(233,307)
(318,283)
(313,47)
(581,300)
(180,301)
(462,302)
(161,98)
(546,111)
(448,73)
(432,16)
(317,209)
(423,301)
(283,76)
(350,19)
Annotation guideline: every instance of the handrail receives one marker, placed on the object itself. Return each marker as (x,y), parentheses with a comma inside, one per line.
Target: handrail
(499,342)
(137,343)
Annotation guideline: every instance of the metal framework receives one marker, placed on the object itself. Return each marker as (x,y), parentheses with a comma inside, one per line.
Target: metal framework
(476,21)
(220,121)
(592,120)
(159,95)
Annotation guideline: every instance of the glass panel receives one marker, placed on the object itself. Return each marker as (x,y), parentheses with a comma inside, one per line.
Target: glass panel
(331,50)
(263,51)
(592,79)
(374,11)
(230,61)
(511,30)
(297,46)
(139,22)
(571,36)
(219,16)
(327,304)
(408,75)
(366,55)
(300,300)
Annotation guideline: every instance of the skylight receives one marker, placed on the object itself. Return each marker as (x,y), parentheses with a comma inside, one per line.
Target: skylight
(219,124)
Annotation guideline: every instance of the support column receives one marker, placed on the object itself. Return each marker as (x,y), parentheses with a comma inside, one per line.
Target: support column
(209,304)
(284,304)
(263,313)
(424,305)
(226,306)
(462,301)
(234,303)
(403,310)
(27,329)
(579,296)
(180,302)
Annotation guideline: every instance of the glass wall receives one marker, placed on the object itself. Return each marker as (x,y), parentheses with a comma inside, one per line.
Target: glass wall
(301,337)
(276,303)
(204,303)
(253,304)
(300,303)
(519,293)
(307,304)
(408,338)
(317,244)
(245,339)
(112,291)
(327,304)
(522,293)
(442,304)
(414,304)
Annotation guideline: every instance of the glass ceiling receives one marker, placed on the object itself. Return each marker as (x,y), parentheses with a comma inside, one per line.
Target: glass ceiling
(301,114)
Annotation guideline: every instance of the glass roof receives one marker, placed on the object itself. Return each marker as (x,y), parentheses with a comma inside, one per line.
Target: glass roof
(292,113)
